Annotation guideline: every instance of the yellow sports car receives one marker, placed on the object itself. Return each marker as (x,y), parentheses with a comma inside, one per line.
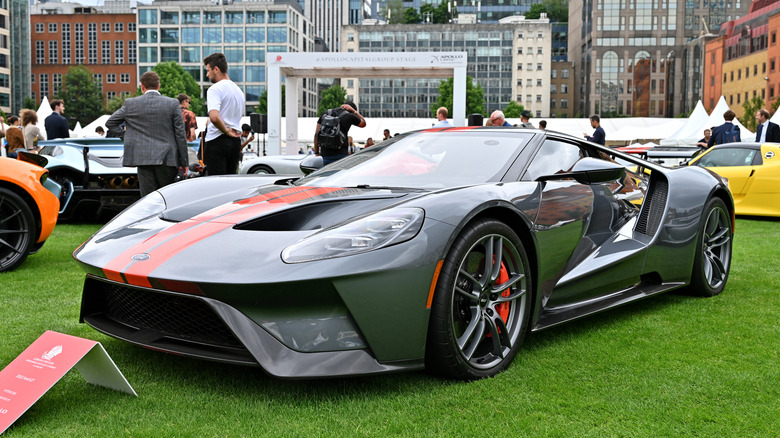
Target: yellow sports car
(753,171)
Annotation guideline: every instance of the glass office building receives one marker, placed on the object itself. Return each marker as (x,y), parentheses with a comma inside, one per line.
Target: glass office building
(188,31)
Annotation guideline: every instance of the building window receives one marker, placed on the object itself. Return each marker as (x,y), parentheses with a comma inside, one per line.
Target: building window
(111,78)
(105,27)
(56,82)
(38,27)
(554,74)
(565,73)
(53,52)
(105,54)
(564,88)
(119,52)
(539,66)
(519,35)
(98,78)
(79,38)
(119,27)
(124,78)
(131,57)
(553,88)
(520,66)
(552,103)
(110,95)
(538,50)
(538,97)
(564,103)
(538,82)
(131,27)
(519,82)
(66,43)
(92,42)
(519,50)
(774,38)
(40,52)
(44,84)
(52,27)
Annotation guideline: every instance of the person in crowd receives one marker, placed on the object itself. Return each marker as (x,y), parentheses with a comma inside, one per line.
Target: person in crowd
(369,142)
(246,136)
(300,151)
(153,135)
(56,124)
(14,136)
(30,129)
(728,132)
(385,134)
(525,119)
(441,116)
(766,131)
(99,133)
(351,145)
(190,122)
(348,117)
(542,124)
(497,119)
(225,103)
(599,136)
(702,143)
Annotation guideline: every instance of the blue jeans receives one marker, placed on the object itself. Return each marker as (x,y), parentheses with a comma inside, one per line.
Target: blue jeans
(331,158)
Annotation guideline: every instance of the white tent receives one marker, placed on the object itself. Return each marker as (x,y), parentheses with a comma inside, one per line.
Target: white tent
(693,129)
(43,111)
(716,119)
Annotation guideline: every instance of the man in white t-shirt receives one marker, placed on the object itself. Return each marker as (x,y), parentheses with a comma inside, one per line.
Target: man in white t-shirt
(225,102)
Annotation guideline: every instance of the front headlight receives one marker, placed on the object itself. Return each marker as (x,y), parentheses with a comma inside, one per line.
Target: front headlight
(366,234)
(150,205)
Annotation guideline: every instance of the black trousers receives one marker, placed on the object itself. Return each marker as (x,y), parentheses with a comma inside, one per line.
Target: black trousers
(222,155)
(151,178)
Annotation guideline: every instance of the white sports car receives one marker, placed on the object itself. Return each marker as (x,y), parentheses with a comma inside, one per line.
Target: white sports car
(273,164)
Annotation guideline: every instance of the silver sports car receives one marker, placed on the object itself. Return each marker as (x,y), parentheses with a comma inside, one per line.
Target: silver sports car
(438,249)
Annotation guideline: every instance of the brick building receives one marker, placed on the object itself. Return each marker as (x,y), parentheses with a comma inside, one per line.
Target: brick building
(104,42)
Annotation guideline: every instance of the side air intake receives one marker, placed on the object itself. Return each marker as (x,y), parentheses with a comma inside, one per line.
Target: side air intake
(654,205)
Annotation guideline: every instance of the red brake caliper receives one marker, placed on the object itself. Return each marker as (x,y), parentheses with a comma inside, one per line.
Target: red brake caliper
(503,308)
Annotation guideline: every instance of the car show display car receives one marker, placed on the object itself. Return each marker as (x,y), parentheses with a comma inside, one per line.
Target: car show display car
(753,173)
(91,174)
(439,249)
(29,203)
(273,164)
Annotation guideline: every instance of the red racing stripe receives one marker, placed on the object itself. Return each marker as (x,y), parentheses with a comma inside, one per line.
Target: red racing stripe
(169,242)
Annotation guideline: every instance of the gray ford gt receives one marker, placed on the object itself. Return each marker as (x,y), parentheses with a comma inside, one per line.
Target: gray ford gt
(438,249)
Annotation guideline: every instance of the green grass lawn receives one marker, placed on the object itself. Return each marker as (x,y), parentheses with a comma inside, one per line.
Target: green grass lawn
(668,366)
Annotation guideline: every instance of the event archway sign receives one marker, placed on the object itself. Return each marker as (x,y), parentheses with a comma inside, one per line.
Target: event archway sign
(294,66)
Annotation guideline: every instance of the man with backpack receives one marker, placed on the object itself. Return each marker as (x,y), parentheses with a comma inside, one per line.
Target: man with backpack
(725,133)
(330,138)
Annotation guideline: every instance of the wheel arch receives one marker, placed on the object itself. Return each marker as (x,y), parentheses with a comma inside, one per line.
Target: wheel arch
(27,197)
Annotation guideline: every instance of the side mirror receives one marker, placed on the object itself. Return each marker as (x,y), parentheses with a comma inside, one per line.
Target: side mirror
(310,164)
(590,171)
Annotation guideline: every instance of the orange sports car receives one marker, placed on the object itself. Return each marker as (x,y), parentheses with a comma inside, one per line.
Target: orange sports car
(29,205)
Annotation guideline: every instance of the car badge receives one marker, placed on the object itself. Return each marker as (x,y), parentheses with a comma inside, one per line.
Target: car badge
(769,154)
(140,257)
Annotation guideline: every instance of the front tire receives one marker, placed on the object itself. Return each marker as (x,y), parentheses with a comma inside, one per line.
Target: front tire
(481,305)
(712,261)
(17,230)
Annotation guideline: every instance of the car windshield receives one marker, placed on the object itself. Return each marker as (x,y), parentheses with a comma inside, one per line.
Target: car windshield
(427,160)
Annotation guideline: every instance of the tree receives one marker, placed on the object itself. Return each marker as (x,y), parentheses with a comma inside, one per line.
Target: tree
(411,16)
(394,12)
(262,106)
(513,109)
(426,12)
(536,10)
(441,15)
(114,104)
(29,103)
(557,10)
(82,96)
(174,80)
(751,108)
(475,97)
(333,97)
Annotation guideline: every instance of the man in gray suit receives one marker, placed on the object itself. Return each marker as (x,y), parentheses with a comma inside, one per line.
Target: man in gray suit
(154,135)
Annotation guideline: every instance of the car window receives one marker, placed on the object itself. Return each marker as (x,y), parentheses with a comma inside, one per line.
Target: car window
(555,156)
(727,157)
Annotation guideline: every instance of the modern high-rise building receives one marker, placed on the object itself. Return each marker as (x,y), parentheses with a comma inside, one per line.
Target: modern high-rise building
(510,60)
(17,44)
(327,17)
(642,57)
(188,31)
(65,35)
(5,57)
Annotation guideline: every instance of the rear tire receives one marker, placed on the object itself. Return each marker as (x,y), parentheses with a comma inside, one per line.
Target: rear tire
(712,261)
(481,305)
(17,230)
